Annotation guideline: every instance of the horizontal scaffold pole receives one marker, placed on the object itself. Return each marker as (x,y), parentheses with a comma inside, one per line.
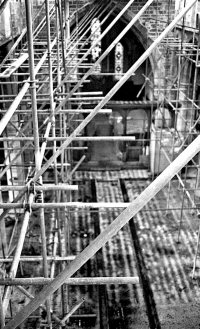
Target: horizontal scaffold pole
(71,281)
(81,138)
(48,187)
(50,205)
(39,258)
(77,111)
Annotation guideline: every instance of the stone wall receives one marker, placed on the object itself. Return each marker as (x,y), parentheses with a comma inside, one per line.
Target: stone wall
(156,15)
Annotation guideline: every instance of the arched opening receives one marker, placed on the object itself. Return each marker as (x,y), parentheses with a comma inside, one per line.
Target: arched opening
(117,62)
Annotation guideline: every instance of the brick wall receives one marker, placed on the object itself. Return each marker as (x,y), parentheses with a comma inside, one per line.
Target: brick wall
(156,16)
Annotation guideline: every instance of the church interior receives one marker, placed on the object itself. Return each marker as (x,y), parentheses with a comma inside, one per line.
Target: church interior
(99,164)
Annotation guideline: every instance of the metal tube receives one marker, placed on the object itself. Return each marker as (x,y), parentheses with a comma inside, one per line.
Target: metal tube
(2,318)
(60,19)
(67,22)
(32,82)
(18,250)
(28,99)
(44,144)
(72,311)
(81,138)
(51,205)
(52,108)
(44,257)
(58,45)
(71,281)
(76,167)
(77,111)
(49,187)
(38,259)
(55,246)
(61,93)
(35,125)
(49,56)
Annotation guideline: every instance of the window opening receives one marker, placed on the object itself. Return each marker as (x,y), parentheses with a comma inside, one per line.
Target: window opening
(96,50)
(119,61)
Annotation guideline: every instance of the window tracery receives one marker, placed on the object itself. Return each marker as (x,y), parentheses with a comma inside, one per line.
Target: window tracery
(119,59)
(96,49)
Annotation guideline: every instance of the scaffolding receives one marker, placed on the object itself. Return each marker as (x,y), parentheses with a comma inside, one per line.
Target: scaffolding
(44,112)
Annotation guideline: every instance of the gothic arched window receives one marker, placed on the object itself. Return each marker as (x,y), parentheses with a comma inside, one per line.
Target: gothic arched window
(119,61)
(95,34)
